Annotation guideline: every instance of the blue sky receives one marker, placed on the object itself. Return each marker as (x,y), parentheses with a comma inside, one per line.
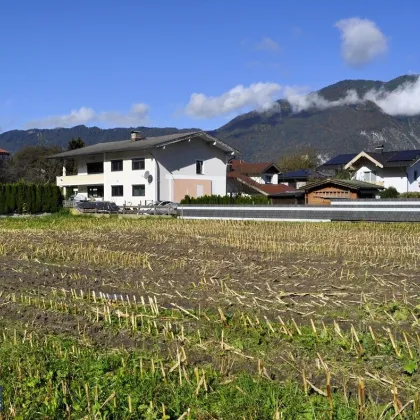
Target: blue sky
(126,63)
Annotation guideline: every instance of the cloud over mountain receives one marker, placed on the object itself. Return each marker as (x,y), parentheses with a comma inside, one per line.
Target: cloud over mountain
(137,115)
(257,95)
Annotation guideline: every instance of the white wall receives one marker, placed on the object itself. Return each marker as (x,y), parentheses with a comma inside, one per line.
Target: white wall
(414,182)
(388,177)
(127,177)
(178,161)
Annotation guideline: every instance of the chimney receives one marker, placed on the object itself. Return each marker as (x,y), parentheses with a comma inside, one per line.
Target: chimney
(137,135)
(380,148)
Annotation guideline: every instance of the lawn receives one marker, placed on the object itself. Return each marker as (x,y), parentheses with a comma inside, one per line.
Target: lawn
(163,319)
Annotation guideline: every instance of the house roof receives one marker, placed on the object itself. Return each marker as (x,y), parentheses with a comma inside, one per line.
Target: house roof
(387,159)
(351,184)
(265,189)
(253,168)
(4,152)
(146,143)
(300,174)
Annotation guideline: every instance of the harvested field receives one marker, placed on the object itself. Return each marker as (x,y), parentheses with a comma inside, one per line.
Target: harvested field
(111,318)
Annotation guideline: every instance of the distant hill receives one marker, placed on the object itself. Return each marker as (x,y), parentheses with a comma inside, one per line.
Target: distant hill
(15,139)
(265,136)
(340,129)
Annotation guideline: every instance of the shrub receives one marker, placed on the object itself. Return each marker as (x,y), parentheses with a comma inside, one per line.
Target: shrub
(29,198)
(410,195)
(390,192)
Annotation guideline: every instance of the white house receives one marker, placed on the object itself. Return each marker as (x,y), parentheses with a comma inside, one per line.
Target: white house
(147,169)
(399,169)
(262,173)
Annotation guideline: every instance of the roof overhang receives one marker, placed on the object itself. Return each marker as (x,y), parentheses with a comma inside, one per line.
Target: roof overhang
(362,155)
(206,137)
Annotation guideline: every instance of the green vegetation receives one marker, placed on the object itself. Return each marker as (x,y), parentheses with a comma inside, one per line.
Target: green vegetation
(167,319)
(29,198)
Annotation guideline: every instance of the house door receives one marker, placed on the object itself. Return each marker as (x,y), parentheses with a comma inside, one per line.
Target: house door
(200,190)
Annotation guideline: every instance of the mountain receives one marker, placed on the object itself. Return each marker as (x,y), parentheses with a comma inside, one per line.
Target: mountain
(15,139)
(264,136)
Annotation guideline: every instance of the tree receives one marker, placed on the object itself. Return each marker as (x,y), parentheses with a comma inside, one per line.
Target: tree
(390,192)
(30,164)
(75,144)
(305,159)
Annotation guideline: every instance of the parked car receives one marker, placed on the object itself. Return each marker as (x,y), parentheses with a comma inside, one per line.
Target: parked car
(78,198)
(162,208)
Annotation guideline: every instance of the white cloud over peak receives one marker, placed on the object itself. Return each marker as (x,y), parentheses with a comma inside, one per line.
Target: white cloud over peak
(405,100)
(257,95)
(137,115)
(268,44)
(361,41)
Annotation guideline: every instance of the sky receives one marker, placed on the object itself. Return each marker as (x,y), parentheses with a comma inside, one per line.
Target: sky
(183,63)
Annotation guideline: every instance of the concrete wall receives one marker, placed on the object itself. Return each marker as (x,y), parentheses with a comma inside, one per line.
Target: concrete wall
(352,210)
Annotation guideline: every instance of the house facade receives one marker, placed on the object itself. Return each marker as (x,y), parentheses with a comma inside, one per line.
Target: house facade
(398,169)
(322,192)
(143,169)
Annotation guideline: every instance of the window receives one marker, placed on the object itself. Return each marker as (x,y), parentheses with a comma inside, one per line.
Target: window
(137,164)
(269,179)
(95,191)
(139,190)
(199,166)
(369,177)
(117,190)
(95,168)
(116,165)
(415,175)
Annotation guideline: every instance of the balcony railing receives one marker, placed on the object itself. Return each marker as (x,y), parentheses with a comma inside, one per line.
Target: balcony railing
(67,181)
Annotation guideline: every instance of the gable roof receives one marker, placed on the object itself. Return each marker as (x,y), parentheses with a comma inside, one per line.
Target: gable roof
(146,143)
(389,159)
(265,189)
(351,184)
(253,168)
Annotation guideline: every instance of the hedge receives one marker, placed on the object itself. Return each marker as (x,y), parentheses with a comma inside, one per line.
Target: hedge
(30,198)
(226,199)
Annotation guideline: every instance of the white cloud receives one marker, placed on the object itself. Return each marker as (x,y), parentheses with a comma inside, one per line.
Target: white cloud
(402,101)
(300,100)
(137,115)
(268,44)
(361,41)
(257,95)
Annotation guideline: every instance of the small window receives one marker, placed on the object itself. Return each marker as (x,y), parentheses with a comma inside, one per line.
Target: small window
(116,165)
(415,175)
(199,166)
(117,190)
(137,164)
(139,190)
(95,168)
(269,179)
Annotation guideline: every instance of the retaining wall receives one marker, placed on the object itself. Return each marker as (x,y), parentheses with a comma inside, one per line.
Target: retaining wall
(403,210)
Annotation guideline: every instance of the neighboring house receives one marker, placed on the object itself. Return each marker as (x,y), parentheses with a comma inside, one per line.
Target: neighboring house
(251,179)
(321,192)
(399,168)
(146,169)
(4,154)
(263,173)
(299,178)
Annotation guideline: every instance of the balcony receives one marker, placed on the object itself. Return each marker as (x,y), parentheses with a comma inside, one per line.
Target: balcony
(67,181)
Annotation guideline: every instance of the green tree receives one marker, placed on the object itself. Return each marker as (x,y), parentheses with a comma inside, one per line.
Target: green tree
(390,192)
(75,144)
(305,159)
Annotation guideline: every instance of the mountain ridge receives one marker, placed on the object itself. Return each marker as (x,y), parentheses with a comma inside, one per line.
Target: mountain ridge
(262,136)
